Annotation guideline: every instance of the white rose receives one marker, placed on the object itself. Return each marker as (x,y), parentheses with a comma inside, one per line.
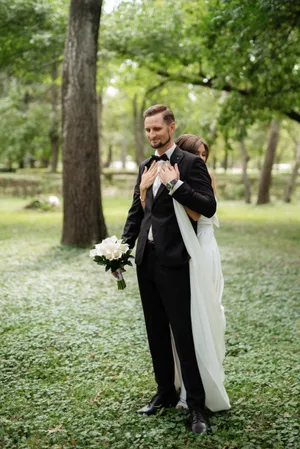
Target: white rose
(112,239)
(110,250)
(124,247)
(99,249)
(111,247)
(117,254)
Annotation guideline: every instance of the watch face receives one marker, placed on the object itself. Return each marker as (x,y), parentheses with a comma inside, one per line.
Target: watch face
(171,184)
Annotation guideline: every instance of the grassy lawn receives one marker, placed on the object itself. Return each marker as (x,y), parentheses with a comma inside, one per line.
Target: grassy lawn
(74,361)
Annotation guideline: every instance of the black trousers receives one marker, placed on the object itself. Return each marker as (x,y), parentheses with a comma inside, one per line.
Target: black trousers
(165,294)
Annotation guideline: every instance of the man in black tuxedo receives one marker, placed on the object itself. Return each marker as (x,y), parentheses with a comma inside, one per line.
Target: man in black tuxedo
(162,261)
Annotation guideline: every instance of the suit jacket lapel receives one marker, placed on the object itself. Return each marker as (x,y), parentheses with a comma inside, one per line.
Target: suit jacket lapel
(160,190)
(175,159)
(149,195)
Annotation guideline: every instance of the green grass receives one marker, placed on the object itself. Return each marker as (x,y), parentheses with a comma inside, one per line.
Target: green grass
(74,360)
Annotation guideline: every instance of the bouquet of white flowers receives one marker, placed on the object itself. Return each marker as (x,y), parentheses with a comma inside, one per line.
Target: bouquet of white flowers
(114,254)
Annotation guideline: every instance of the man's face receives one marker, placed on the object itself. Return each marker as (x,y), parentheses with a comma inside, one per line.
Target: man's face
(158,132)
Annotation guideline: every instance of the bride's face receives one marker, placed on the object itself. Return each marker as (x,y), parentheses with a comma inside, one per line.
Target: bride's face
(202,152)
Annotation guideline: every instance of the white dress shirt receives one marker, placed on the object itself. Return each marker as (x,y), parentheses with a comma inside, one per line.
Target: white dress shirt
(157,181)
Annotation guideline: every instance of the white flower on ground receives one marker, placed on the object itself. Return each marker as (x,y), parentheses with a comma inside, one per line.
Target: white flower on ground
(53,201)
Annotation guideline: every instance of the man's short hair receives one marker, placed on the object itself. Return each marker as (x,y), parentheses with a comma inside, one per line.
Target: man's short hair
(167,114)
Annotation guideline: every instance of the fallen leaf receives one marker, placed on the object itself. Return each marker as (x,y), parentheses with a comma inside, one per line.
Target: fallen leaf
(55,429)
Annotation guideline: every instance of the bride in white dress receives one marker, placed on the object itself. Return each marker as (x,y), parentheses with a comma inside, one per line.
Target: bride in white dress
(207,312)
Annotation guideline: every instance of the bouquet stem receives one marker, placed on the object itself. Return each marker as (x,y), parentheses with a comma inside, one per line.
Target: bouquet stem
(121,284)
(121,281)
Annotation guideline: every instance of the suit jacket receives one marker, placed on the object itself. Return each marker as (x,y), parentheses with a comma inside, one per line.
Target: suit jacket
(195,193)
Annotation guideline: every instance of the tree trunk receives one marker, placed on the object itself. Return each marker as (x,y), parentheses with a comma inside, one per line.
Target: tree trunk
(278,158)
(44,162)
(109,156)
(292,181)
(259,161)
(225,160)
(54,130)
(124,149)
(108,161)
(100,127)
(138,129)
(214,163)
(83,222)
(245,160)
(266,173)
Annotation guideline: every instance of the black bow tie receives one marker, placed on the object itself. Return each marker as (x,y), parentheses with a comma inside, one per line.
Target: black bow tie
(164,157)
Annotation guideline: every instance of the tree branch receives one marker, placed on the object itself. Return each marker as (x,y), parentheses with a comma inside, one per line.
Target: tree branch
(293,115)
(153,88)
(200,82)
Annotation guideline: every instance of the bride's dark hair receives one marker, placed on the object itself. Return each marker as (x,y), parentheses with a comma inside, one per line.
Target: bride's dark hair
(191,143)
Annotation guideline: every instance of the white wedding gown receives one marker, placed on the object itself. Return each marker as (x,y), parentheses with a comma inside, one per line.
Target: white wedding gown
(207,312)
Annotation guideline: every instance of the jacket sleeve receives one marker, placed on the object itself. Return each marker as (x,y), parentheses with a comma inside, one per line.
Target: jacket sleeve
(135,215)
(196,192)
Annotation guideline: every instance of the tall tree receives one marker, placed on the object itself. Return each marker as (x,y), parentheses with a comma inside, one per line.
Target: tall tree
(55,119)
(292,182)
(83,221)
(138,129)
(245,159)
(266,173)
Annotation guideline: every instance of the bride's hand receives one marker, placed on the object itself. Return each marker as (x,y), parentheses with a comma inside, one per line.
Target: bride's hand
(191,213)
(148,176)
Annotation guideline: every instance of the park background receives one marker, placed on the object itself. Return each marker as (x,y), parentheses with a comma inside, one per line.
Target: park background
(75,78)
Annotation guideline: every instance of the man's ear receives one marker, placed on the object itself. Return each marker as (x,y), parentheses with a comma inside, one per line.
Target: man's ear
(173,127)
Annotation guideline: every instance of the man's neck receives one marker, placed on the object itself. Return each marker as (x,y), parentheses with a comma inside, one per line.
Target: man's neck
(163,150)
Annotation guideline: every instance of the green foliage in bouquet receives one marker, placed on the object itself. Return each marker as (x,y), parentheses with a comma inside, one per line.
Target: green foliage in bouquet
(115,264)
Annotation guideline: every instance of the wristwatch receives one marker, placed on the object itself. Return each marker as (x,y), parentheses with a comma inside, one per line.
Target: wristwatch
(171,184)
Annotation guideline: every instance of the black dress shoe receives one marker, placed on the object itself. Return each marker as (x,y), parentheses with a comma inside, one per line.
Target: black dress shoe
(159,401)
(198,422)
